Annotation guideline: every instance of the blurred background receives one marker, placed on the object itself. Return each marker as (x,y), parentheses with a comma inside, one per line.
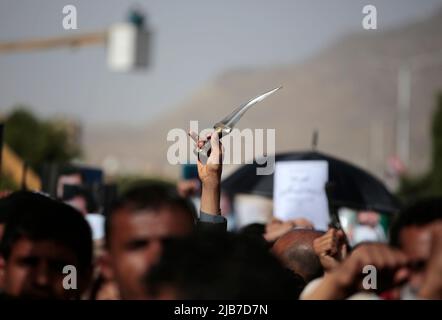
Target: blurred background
(373,96)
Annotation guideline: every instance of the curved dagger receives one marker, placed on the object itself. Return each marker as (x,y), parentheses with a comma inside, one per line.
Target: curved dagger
(225,126)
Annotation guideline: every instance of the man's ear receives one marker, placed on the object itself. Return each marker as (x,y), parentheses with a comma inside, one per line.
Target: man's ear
(2,272)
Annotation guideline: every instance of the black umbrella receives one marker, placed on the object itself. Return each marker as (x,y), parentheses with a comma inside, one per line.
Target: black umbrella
(349,185)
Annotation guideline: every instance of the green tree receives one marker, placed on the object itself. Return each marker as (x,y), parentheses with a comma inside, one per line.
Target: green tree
(429,184)
(436,172)
(38,141)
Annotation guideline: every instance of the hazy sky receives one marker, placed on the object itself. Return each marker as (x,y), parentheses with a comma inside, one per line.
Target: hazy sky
(194,42)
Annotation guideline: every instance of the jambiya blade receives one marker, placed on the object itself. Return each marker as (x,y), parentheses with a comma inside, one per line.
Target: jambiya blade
(225,126)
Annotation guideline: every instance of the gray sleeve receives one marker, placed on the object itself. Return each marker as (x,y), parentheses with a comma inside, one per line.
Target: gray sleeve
(210,218)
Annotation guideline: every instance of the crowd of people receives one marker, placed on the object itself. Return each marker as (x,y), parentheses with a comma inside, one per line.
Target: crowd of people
(157,246)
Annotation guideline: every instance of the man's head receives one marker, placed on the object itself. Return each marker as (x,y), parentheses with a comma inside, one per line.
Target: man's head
(222,266)
(368,218)
(4,213)
(135,229)
(80,198)
(411,232)
(295,250)
(43,236)
(69,176)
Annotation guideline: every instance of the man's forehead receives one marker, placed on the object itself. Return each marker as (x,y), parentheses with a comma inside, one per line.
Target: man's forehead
(145,221)
(417,232)
(129,216)
(415,240)
(49,248)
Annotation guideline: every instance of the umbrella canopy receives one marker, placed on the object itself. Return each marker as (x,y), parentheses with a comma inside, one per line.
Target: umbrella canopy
(351,186)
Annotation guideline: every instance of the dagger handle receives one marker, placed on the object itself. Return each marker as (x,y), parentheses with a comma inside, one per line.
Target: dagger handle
(204,151)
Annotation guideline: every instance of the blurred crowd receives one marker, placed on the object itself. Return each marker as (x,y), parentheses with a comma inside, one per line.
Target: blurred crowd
(154,243)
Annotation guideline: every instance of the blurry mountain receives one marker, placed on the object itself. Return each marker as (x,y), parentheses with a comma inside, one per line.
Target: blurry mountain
(348,92)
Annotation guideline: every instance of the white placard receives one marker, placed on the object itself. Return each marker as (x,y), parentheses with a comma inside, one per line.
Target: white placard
(299,191)
(96,222)
(252,209)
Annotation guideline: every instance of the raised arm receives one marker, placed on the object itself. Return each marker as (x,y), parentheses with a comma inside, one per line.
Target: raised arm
(210,176)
